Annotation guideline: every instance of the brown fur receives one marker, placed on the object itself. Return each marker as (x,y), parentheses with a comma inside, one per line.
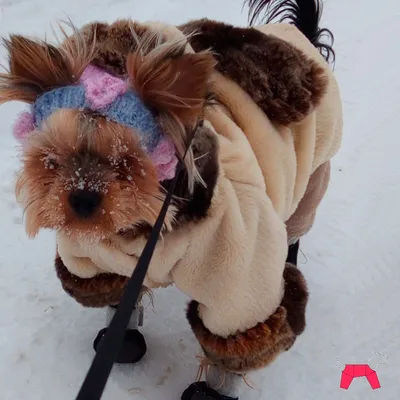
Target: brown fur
(191,207)
(244,351)
(295,298)
(36,66)
(258,346)
(195,206)
(175,84)
(285,83)
(153,65)
(280,78)
(84,151)
(113,43)
(100,291)
(170,80)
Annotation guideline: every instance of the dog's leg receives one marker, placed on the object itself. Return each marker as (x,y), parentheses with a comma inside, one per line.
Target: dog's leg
(135,320)
(226,383)
(134,346)
(293,251)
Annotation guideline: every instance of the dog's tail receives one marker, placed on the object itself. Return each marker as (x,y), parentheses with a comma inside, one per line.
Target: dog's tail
(304,14)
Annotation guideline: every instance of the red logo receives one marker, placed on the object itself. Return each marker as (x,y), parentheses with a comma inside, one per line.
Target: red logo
(352,371)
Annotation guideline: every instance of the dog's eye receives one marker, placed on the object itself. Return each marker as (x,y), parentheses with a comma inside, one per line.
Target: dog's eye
(53,164)
(49,162)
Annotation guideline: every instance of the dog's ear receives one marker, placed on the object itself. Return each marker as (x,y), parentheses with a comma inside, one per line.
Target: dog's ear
(35,66)
(170,80)
(175,84)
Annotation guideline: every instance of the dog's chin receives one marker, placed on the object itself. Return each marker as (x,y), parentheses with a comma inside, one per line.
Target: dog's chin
(101,226)
(96,233)
(91,236)
(98,228)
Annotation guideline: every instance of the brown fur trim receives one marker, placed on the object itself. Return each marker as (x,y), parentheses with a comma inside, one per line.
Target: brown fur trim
(295,298)
(280,78)
(244,351)
(258,346)
(195,206)
(100,291)
(113,43)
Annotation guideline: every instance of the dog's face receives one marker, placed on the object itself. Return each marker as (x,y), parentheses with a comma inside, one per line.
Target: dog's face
(82,173)
(86,176)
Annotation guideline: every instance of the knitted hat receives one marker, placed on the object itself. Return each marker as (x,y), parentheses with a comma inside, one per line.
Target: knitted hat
(112,97)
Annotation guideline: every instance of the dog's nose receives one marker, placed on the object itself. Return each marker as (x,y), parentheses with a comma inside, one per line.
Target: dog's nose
(84,203)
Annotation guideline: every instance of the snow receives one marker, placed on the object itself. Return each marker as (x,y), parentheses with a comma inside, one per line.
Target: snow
(351,257)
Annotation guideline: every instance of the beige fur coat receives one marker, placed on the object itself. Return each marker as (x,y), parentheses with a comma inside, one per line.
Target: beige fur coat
(272,176)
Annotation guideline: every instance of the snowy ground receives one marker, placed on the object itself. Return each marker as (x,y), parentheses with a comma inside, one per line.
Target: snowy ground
(353,257)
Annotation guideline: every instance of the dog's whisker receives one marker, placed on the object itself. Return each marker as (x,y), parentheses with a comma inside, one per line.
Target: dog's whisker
(202,156)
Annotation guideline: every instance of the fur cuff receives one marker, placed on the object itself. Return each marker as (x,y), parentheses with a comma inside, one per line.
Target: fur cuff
(258,346)
(100,291)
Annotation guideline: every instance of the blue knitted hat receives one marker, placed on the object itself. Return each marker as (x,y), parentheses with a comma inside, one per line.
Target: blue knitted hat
(107,95)
(111,97)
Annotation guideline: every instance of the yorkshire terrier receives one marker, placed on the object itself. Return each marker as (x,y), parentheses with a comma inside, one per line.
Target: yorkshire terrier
(253,114)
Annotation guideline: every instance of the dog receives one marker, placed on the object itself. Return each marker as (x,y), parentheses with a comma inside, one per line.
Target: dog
(254,117)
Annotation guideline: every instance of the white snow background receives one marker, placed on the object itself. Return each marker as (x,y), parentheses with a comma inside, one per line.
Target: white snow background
(352,253)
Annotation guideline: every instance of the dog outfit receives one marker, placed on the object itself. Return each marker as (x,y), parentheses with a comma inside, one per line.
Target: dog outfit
(276,125)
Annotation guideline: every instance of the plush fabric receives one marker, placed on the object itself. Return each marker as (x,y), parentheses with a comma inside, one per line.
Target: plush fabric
(113,43)
(232,260)
(103,290)
(201,257)
(303,218)
(280,79)
(258,346)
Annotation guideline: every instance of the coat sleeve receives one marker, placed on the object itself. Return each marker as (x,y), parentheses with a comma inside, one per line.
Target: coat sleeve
(248,305)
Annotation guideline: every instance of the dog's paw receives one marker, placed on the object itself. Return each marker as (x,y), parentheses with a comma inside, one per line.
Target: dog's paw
(201,391)
(133,348)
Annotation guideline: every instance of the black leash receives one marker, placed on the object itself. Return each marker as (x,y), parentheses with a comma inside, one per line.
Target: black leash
(97,376)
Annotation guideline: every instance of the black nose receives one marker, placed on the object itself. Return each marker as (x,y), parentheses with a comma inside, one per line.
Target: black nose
(84,203)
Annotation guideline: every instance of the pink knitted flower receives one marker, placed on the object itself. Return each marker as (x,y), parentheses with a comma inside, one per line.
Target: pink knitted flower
(101,87)
(23,126)
(165,159)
